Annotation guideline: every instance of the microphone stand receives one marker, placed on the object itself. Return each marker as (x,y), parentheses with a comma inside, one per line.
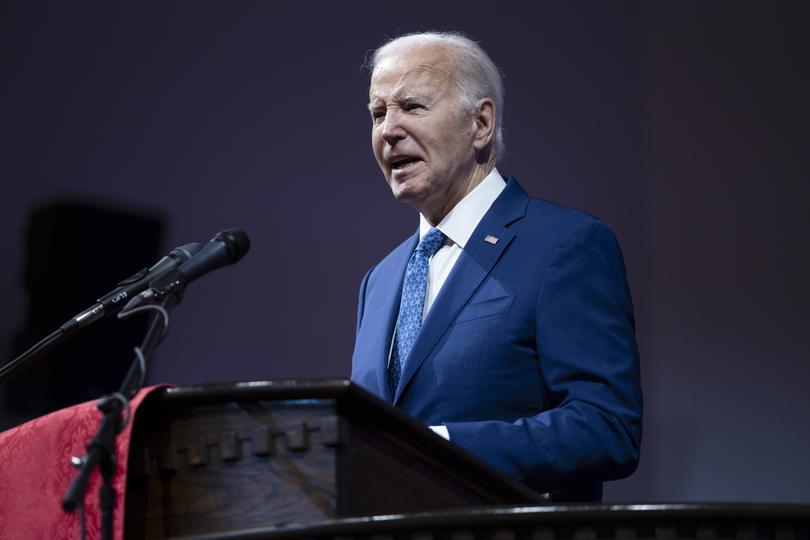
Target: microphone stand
(50,342)
(101,449)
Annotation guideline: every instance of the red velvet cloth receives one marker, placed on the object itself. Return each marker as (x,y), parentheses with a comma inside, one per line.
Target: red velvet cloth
(35,472)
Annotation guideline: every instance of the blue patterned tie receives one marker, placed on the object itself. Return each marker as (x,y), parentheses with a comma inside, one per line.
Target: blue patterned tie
(412,303)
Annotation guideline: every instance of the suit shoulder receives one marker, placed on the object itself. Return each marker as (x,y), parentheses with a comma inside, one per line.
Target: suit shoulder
(544,220)
(541,212)
(549,223)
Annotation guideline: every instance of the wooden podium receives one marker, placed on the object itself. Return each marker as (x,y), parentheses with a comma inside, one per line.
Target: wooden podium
(220,459)
(317,460)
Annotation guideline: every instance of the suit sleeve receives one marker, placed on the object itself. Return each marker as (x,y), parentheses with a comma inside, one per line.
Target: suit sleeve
(588,361)
(361,300)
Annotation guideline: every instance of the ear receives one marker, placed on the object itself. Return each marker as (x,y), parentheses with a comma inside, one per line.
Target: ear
(484,129)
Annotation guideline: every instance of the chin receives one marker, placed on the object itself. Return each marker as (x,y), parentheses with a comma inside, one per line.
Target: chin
(408,194)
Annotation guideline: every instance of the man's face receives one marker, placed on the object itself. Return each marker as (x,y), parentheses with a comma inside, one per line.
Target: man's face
(421,136)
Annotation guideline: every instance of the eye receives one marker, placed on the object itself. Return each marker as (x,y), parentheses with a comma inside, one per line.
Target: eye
(377,115)
(413,106)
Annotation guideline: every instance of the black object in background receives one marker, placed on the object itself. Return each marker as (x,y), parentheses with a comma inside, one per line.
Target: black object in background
(75,253)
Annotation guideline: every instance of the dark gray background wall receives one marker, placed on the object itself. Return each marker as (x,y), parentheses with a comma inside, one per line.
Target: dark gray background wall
(683,125)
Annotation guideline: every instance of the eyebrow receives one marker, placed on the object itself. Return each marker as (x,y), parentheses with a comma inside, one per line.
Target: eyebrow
(378,103)
(412,98)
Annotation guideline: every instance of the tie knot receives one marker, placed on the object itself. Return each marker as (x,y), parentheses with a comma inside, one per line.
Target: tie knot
(431,242)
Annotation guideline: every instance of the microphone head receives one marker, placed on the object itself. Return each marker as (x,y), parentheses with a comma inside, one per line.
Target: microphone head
(227,247)
(236,243)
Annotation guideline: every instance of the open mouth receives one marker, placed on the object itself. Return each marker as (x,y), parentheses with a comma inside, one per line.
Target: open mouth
(403,162)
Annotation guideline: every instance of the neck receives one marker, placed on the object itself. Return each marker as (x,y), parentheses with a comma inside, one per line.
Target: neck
(462,189)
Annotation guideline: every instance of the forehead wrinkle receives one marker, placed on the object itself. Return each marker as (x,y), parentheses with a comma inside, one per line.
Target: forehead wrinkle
(403,90)
(433,68)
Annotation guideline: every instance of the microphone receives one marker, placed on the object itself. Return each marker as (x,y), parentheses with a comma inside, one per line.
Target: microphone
(115,300)
(108,304)
(227,247)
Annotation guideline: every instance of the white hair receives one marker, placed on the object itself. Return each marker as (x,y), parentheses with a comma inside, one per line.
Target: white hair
(478,76)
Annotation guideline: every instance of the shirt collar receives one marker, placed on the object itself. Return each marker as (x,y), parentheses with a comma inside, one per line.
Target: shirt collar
(459,224)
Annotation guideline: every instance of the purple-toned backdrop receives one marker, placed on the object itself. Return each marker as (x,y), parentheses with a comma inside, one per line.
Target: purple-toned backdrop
(684,126)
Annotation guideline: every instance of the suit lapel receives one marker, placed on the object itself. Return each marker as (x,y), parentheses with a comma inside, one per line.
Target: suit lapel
(391,274)
(473,265)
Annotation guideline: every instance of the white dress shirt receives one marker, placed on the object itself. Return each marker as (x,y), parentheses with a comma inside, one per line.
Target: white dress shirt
(458,225)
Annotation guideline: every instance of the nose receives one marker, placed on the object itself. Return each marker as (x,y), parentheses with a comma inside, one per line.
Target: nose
(392,130)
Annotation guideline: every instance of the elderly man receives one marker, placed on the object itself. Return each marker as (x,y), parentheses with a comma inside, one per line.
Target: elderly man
(505,323)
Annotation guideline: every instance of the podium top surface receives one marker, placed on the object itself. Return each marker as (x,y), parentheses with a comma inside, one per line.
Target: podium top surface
(271,390)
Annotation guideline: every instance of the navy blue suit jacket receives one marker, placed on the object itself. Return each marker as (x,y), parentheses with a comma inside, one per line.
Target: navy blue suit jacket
(528,353)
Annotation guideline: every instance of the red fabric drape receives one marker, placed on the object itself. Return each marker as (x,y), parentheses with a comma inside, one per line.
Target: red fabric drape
(35,472)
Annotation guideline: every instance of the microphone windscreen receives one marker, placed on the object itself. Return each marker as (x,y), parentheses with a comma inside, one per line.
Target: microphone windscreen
(236,243)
